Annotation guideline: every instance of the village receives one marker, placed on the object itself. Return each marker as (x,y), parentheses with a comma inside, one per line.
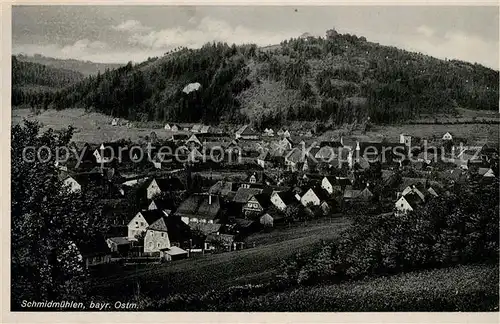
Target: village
(202,190)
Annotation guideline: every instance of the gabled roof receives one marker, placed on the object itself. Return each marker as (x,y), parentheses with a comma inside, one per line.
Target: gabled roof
(169,184)
(321,193)
(221,188)
(178,231)
(174,250)
(196,128)
(243,194)
(413,199)
(199,206)
(206,228)
(408,182)
(158,225)
(263,199)
(332,144)
(162,204)
(245,130)
(152,216)
(351,193)
(287,197)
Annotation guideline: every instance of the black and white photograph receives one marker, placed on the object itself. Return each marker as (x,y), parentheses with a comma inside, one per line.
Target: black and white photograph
(251,158)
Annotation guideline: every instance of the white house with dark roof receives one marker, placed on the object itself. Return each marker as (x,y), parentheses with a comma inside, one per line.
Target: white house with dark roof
(447,137)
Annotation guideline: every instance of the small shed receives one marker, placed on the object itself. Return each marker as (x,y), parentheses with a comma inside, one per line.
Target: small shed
(174,253)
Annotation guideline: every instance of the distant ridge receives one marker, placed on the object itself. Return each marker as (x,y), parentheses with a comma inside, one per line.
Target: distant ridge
(84,67)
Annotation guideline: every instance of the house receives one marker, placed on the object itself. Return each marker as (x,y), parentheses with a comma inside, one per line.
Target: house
(222,188)
(283,199)
(314,196)
(196,128)
(295,159)
(199,208)
(269,132)
(328,183)
(158,185)
(114,122)
(167,127)
(447,137)
(245,132)
(257,204)
(286,134)
(142,220)
(93,253)
(365,194)
(405,139)
(286,143)
(264,159)
(408,203)
(174,128)
(156,237)
(204,129)
(327,154)
(206,228)
(193,141)
(174,253)
(413,189)
(71,183)
(110,152)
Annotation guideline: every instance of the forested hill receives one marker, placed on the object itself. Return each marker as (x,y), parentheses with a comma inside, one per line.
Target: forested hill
(84,67)
(341,78)
(32,82)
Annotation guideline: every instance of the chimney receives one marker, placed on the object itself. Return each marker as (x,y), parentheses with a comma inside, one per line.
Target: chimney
(209,198)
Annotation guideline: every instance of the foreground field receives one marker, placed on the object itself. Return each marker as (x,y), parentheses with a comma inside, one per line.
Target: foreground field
(464,288)
(218,271)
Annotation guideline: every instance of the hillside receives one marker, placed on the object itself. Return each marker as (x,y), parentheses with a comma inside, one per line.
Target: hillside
(84,67)
(32,83)
(336,79)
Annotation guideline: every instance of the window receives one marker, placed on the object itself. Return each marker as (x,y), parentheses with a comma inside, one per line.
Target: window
(150,233)
(142,224)
(150,244)
(158,245)
(162,234)
(136,224)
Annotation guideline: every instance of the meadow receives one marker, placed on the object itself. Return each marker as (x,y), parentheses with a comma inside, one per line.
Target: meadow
(461,288)
(92,127)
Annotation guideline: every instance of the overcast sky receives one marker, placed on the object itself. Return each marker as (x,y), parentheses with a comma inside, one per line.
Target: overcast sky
(132,33)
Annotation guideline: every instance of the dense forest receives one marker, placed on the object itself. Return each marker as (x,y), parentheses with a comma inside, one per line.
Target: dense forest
(33,83)
(84,67)
(340,78)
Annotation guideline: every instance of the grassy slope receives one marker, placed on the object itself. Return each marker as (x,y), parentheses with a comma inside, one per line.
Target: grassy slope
(219,271)
(464,288)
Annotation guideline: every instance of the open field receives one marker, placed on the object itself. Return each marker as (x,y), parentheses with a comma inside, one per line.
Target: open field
(218,271)
(462,288)
(90,127)
(96,128)
(474,133)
